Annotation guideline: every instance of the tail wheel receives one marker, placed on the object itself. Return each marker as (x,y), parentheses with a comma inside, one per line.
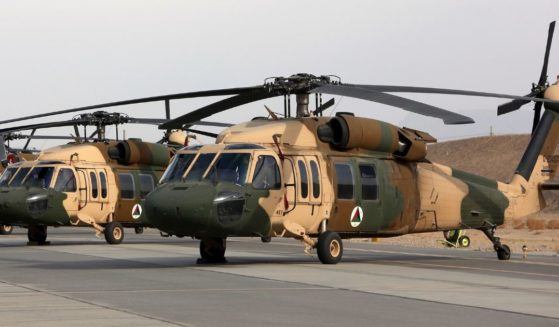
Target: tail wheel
(114,233)
(503,252)
(213,248)
(464,241)
(37,234)
(6,229)
(329,248)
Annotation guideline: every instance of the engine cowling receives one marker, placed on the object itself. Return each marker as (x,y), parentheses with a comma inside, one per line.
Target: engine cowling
(134,151)
(348,132)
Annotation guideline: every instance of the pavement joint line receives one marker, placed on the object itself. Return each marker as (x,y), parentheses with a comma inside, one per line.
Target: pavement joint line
(201,290)
(388,295)
(34,289)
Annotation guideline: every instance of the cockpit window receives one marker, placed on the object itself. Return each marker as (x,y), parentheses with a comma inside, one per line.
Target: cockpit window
(7,175)
(39,177)
(177,168)
(266,174)
(66,181)
(230,168)
(18,178)
(199,167)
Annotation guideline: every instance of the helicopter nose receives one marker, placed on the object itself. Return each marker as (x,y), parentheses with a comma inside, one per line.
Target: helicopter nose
(12,205)
(180,209)
(32,206)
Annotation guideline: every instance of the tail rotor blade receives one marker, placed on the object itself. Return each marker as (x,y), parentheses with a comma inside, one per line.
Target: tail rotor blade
(543,75)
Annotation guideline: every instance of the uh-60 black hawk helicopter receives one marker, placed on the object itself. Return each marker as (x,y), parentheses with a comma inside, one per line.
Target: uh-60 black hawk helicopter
(320,179)
(93,181)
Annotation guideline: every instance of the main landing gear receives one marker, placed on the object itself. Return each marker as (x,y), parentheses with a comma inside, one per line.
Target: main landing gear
(212,250)
(503,251)
(329,248)
(114,233)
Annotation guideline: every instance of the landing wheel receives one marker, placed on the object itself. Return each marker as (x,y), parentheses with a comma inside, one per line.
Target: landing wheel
(138,230)
(37,234)
(329,248)
(114,233)
(212,249)
(503,252)
(6,229)
(464,241)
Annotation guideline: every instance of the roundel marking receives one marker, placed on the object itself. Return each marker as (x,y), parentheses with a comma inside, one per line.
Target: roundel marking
(137,211)
(356,216)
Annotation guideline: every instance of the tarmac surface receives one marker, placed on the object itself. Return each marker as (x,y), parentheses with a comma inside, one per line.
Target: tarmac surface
(148,280)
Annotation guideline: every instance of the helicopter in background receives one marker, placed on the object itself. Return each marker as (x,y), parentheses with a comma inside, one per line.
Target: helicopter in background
(92,181)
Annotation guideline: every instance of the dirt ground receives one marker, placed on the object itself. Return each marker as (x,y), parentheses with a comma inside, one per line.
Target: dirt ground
(540,234)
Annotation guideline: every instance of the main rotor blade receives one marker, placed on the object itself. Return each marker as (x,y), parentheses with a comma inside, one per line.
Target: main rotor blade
(147,121)
(196,131)
(216,107)
(239,90)
(513,105)
(3,154)
(543,75)
(392,100)
(43,125)
(324,106)
(433,90)
(209,123)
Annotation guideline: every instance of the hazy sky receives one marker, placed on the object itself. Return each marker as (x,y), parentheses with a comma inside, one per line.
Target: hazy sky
(63,54)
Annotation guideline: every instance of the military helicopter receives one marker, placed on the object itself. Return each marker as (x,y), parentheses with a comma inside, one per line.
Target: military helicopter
(321,180)
(92,181)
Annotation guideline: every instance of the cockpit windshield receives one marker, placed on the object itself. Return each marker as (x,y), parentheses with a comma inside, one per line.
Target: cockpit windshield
(7,176)
(18,178)
(230,168)
(177,167)
(39,177)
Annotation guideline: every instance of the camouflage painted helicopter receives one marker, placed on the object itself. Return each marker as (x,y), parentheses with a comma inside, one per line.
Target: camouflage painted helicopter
(83,183)
(321,179)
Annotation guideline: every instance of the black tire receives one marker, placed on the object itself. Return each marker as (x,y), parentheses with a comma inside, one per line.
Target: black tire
(329,248)
(138,230)
(213,248)
(464,241)
(503,252)
(114,233)
(6,229)
(37,234)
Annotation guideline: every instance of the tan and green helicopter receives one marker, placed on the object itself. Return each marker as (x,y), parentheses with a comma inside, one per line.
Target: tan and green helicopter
(321,179)
(92,181)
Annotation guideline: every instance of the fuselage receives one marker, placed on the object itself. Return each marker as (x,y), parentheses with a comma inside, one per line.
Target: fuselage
(247,184)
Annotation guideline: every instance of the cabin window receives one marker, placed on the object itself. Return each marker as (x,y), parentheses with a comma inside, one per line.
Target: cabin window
(230,168)
(127,190)
(94,187)
(369,185)
(146,185)
(266,174)
(39,177)
(103,180)
(344,181)
(66,181)
(304,183)
(199,167)
(19,176)
(7,176)
(178,166)
(315,179)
